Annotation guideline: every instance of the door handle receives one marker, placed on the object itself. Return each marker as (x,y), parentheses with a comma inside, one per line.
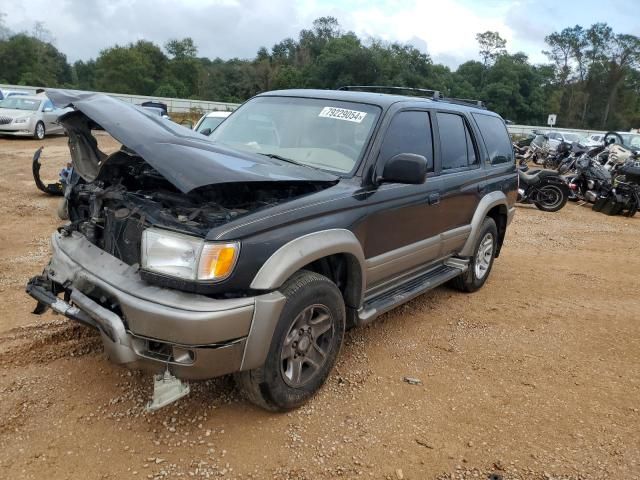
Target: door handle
(433,198)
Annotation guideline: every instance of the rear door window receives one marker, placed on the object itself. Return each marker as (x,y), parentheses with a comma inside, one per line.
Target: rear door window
(496,139)
(456,143)
(409,132)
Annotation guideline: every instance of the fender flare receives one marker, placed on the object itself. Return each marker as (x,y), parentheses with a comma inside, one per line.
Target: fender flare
(303,250)
(489,201)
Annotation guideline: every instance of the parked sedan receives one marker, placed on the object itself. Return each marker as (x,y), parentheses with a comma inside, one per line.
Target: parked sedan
(556,138)
(11,93)
(594,140)
(29,116)
(209,121)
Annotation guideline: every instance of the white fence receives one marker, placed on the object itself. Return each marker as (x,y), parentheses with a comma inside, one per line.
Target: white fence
(526,129)
(175,105)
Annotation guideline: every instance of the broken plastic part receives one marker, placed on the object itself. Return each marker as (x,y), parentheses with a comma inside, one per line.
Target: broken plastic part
(166,389)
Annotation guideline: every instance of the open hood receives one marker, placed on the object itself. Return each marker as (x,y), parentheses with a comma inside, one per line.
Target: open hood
(185,158)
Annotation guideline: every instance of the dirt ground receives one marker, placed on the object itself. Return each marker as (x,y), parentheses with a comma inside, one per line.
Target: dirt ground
(535,376)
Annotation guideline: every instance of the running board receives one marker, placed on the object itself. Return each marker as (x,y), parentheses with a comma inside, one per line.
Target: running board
(389,299)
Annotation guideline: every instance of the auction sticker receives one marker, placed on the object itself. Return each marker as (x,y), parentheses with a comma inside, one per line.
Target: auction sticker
(343,114)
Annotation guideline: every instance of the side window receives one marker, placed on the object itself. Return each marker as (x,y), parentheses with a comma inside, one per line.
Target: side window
(46,105)
(456,143)
(496,138)
(409,132)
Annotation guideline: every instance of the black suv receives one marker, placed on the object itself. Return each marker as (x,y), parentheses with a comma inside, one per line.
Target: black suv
(306,212)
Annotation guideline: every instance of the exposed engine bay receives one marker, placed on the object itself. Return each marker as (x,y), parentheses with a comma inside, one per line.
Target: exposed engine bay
(164,175)
(129,195)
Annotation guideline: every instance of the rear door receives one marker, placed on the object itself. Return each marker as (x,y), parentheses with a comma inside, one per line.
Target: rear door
(500,161)
(404,221)
(461,175)
(50,117)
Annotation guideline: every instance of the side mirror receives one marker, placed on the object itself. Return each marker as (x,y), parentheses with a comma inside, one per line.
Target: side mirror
(406,168)
(206,132)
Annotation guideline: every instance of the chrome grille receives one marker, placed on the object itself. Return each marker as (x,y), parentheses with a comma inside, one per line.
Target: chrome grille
(5,120)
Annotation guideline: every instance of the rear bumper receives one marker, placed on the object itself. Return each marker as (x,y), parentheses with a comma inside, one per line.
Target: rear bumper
(144,326)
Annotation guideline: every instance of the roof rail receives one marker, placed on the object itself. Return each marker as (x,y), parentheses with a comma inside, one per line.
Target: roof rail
(465,101)
(418,92)
(424,92)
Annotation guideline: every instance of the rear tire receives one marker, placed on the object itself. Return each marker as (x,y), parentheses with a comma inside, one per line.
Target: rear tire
(304,347)
(555,198)
(484,253)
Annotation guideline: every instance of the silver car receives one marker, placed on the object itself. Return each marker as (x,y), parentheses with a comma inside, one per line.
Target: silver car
(29,116)
(555,138)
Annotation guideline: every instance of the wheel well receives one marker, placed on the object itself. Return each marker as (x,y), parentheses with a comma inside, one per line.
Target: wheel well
(499,215)
(342,269)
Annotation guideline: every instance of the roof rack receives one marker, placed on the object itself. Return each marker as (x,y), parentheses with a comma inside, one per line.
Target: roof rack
(418,92)
(424,92)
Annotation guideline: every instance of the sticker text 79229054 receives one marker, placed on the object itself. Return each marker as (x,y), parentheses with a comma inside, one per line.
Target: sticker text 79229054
(342,114)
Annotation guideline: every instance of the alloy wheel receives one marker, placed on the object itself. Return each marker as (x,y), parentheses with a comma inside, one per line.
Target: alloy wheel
(40,131)
(483,256)
(306,347)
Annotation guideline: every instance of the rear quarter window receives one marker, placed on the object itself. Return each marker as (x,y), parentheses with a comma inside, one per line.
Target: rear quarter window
(496,138)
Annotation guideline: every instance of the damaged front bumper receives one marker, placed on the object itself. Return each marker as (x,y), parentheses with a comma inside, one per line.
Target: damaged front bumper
(152,328)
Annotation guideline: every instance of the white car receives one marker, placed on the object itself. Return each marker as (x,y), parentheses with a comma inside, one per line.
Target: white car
(593,140)
(11,93)
(29,116)
(209,121)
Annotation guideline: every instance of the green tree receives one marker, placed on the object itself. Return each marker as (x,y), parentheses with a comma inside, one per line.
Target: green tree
(183,67)
(492,45)
(135,68)
(26,60)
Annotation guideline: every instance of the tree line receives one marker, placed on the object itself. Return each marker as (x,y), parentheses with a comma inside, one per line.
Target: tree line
(592,79)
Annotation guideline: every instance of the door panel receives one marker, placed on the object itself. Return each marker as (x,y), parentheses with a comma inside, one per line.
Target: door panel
(462,176)
(402,225)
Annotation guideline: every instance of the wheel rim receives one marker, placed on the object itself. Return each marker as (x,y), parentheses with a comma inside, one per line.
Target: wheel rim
(39,131)
(484,255)
(306,347)
(550,196)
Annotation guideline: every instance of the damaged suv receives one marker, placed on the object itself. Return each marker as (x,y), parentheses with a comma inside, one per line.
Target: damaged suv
(249,252)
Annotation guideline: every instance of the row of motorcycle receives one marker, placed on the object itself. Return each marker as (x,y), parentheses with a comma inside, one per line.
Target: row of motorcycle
(607,175)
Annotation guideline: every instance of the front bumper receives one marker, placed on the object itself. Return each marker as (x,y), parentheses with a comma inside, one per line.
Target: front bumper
(21,130)
(149,327)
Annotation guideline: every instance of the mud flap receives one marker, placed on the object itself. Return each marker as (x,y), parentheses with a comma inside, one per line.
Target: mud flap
(166,389)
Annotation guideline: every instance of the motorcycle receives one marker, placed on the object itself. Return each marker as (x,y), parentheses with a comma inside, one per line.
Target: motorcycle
(591,180)
(555,159)
(568,164)
(547,190)
(624,197)
(539,148)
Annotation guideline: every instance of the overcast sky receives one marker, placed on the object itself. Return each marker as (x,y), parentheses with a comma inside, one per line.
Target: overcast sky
(237,28)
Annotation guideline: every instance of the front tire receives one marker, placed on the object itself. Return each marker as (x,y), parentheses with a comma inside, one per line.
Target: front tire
(304,347)
(39,132)
(482,261)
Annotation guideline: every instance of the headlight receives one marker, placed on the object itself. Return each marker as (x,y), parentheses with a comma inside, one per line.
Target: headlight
(187,257)
(22,120)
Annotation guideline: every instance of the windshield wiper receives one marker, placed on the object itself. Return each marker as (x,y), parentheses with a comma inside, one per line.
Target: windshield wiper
(284,159)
